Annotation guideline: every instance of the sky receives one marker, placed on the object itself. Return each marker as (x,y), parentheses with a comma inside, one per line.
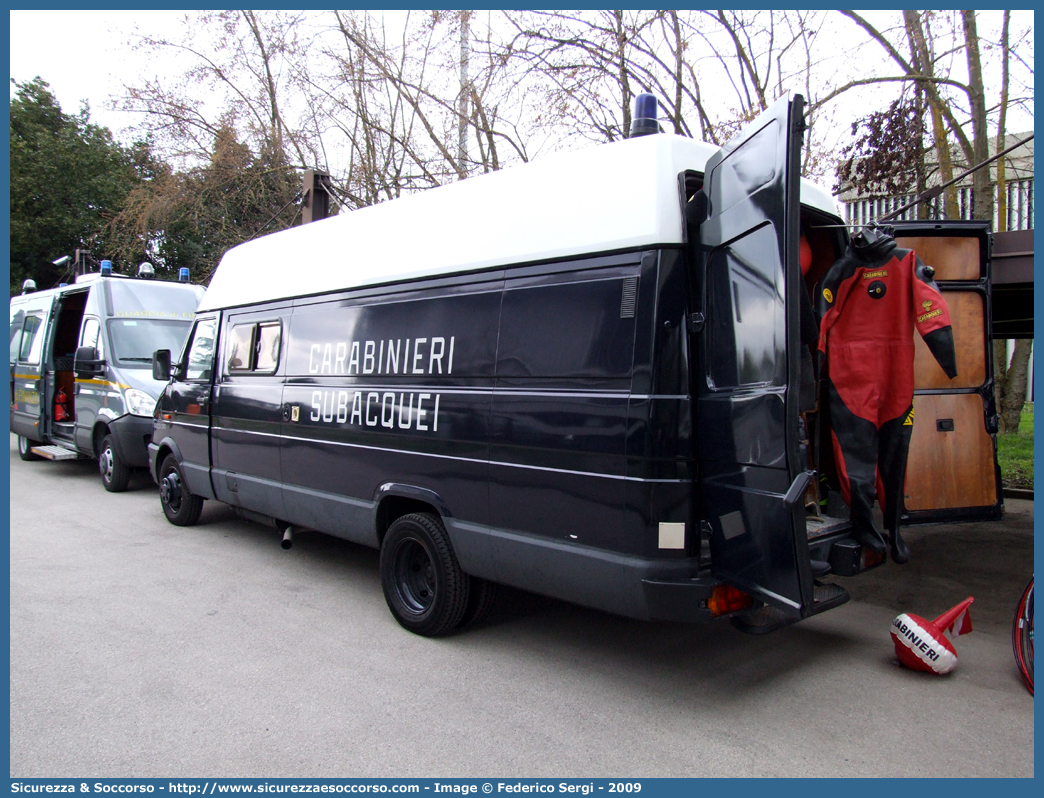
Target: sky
(87,55)
(82,55)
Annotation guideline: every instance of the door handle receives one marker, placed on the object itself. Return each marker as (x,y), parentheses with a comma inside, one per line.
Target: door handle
(797,489)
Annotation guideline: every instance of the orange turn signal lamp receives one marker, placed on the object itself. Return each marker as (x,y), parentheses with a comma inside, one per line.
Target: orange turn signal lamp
(725,599)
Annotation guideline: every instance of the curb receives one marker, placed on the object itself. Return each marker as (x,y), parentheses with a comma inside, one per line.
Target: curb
(1017,493)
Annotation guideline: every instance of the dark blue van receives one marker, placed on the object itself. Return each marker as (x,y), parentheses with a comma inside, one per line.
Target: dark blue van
(557,377)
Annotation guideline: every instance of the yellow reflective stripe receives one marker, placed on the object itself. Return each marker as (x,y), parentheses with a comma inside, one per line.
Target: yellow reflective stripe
(106,383)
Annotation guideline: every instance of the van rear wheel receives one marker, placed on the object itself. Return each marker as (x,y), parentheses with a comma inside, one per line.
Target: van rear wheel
(180,506)
(425,589)
(25,449)
(114,472)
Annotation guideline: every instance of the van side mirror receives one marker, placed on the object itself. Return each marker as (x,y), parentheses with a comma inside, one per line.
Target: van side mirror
(161,365)
(86,362)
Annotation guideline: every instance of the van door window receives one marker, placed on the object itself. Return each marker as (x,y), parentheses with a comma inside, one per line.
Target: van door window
(201,352)
(17,320)
(745,314)
(90,336)
(32,341)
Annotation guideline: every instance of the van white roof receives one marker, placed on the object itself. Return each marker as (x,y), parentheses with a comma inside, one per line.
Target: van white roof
(617,196)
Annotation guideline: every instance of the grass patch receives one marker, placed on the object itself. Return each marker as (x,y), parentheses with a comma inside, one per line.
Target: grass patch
(1015,453)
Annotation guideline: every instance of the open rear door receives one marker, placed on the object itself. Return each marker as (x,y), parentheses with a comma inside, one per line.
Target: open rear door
(951,472)
(30,324)
(751,472)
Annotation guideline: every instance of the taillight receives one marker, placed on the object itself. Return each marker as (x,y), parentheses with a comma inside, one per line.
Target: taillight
(870,558)
(725,599)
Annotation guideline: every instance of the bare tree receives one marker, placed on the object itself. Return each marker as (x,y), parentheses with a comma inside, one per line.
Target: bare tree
(949,98)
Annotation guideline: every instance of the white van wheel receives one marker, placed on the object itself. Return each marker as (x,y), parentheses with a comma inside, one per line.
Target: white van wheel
(115,475)
(25,449)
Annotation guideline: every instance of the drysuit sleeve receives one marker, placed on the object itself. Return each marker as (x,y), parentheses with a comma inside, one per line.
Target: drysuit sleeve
(932,317)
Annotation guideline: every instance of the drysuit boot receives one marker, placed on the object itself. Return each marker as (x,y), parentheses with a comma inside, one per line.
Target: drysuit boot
(870,538)
(900,551)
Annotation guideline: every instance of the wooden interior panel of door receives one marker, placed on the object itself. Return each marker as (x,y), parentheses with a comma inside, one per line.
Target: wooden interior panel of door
(969,341)
(949,468)
(953,258)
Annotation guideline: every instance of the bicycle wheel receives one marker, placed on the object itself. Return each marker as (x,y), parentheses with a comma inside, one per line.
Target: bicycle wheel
(1022,636)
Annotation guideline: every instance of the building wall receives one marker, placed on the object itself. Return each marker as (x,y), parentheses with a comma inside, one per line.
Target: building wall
(1019,173)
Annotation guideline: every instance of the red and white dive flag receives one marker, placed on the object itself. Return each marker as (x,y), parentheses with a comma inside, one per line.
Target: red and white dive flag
(922,645)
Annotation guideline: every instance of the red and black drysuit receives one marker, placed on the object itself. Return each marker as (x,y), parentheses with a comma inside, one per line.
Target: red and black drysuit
(870,303)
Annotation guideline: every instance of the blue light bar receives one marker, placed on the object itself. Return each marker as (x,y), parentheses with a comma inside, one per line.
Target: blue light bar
(106,268)
(183,274)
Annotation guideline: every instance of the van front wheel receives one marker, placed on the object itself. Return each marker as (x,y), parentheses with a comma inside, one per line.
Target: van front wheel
(25,449)
(425,589)
(114,472)
(180,506)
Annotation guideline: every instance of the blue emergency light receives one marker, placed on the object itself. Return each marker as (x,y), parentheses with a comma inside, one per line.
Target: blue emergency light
(106,268)
(183,274)
(644,120)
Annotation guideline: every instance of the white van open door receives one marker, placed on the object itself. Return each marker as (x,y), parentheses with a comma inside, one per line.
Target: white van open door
(30,325)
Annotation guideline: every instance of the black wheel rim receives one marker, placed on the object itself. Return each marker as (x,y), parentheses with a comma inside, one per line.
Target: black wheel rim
(414,576)
(170,491)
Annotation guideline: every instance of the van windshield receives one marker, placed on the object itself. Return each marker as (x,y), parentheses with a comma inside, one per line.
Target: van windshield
(134,340)
(148,299)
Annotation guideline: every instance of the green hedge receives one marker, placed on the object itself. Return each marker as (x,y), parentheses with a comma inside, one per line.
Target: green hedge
(1015,453)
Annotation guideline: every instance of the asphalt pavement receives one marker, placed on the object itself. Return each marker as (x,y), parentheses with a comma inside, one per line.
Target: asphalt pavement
(143,649)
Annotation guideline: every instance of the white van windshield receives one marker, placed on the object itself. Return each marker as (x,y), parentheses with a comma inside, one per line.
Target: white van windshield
(147,299)
(134,340)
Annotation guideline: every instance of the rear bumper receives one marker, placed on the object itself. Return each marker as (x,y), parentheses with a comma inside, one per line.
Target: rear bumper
(682,601)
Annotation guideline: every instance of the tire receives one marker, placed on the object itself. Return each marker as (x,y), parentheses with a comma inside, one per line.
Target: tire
(180,506)
(25,449)
(1022,636)
(114,472)
(425,589)
(482,598)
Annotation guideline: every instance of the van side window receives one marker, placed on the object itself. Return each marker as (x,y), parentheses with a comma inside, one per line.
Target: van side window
(32,342)
(253,347)
(570,330)
(241,348)
(268,347)
(201,352)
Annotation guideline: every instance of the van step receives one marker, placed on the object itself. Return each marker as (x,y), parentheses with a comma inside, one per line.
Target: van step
(56,453)
(827,596)
(817,526)
(768,619)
